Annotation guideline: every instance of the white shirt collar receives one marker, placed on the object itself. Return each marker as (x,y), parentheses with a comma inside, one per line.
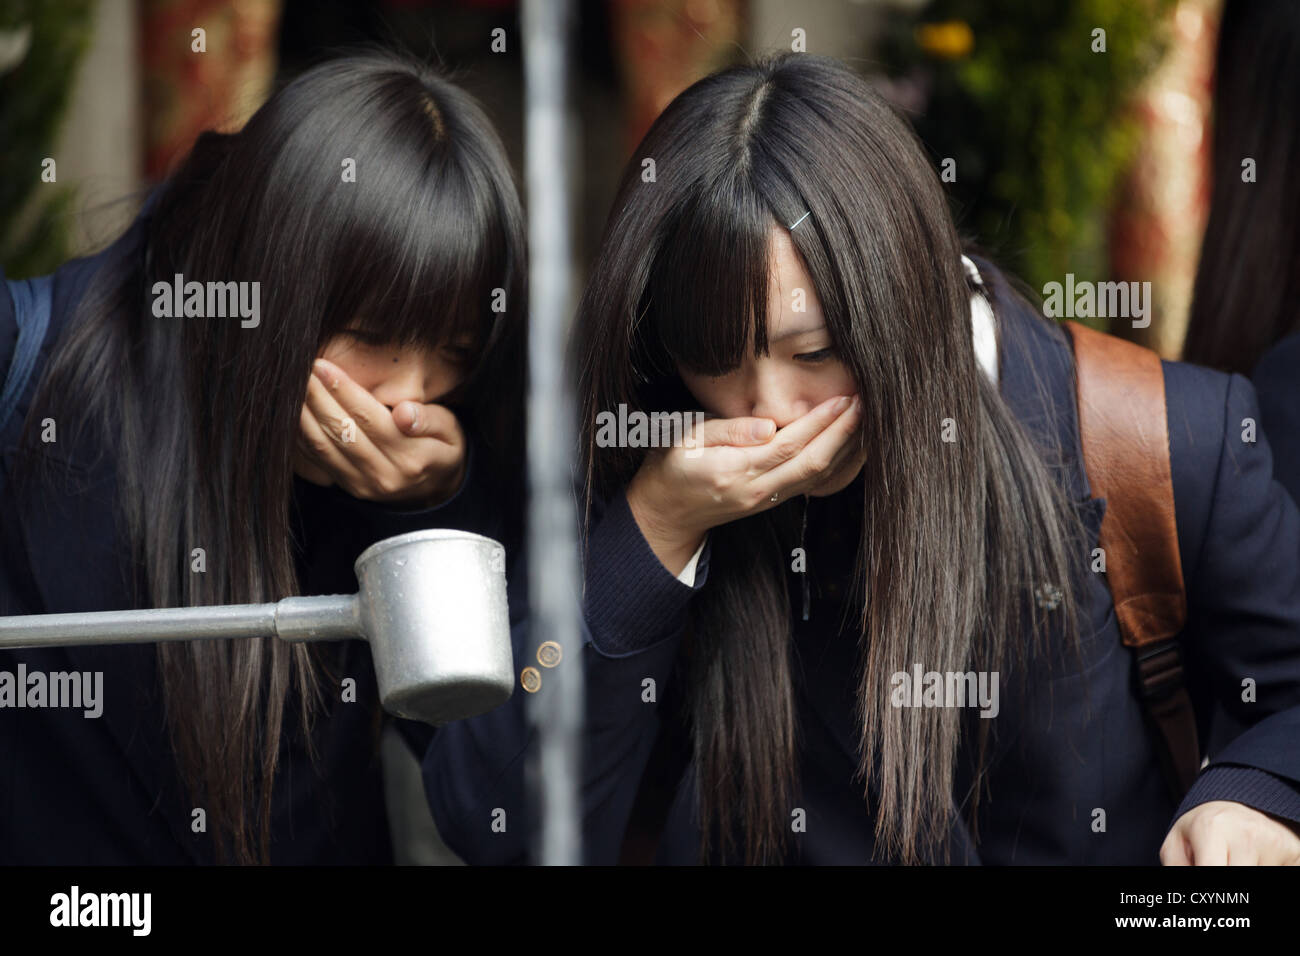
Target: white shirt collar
(983,326)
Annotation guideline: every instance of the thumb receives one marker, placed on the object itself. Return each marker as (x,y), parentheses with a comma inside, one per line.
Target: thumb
(426,421)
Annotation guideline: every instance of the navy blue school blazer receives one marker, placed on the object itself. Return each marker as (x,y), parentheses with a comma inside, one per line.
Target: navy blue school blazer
(105,790)
(1078,745)
(1277,380)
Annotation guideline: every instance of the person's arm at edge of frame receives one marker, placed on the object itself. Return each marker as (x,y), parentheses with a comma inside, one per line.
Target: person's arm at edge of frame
(1243,589)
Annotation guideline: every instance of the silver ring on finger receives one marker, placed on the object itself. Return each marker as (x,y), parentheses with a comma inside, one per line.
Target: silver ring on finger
(773,498)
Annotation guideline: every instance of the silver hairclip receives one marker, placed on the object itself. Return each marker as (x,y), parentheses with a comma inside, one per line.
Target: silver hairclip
(800,219)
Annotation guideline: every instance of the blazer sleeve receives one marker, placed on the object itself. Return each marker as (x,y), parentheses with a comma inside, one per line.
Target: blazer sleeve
(1239,535)
(634,615)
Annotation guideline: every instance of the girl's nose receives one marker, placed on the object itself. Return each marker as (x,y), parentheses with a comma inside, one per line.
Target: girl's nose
(778,399)
(780,410)
(407,381)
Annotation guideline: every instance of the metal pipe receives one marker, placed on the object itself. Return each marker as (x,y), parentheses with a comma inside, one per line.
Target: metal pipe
(556,710)
(293,619)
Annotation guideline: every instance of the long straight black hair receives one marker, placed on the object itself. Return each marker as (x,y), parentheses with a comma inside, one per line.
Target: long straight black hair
(1248,278)
(201,413)
(953,536)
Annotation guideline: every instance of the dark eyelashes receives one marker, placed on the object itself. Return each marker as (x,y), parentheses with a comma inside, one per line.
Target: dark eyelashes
(461,355)
(806,358)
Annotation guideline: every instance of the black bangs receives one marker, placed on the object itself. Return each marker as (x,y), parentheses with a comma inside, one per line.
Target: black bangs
(428,241)
(702,309)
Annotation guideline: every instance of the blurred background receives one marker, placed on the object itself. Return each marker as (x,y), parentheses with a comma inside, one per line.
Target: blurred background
(1067,158)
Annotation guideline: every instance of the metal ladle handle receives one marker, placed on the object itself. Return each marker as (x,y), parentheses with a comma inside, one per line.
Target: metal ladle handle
(322,618)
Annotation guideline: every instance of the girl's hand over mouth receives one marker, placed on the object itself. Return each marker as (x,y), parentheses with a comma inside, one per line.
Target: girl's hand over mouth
(415,453)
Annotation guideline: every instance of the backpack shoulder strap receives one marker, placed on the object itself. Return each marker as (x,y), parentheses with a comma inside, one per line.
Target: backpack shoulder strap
(32,299)
(1125,439)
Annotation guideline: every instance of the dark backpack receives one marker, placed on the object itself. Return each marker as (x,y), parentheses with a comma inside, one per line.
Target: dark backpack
(32,299)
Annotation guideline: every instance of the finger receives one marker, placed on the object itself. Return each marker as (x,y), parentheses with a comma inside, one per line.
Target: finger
(1280,845)
(1208,847)
(1245,851)
(817,458)
(848,457)
(346,432)
(787,443)
(1174,851)
(318,445)
(847,464)
(427,421)
(370,414)
(733,431)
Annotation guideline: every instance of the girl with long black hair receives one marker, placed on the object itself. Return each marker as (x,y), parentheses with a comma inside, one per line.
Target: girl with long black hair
(369,383)
(1246,303)
(889,486)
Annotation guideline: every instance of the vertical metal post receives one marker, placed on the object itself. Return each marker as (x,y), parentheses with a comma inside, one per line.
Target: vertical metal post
(556,711)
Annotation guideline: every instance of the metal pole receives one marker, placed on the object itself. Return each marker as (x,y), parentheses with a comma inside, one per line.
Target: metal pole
(556,710)
(324,618)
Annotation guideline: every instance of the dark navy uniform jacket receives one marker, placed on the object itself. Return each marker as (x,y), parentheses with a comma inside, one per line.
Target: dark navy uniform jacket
(1277,379)
(106,790)
(1075,742)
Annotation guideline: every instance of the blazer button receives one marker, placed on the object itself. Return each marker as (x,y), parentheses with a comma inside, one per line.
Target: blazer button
(549,654)
(531,679)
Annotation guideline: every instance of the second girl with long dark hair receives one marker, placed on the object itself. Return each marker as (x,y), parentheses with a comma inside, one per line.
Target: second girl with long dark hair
(890,483)
(161,458)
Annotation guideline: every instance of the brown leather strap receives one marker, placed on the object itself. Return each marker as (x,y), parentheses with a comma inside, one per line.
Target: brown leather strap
(1122,427)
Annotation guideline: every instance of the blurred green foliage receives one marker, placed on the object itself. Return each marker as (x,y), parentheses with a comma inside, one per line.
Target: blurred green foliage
(1037,122)
(34,96)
